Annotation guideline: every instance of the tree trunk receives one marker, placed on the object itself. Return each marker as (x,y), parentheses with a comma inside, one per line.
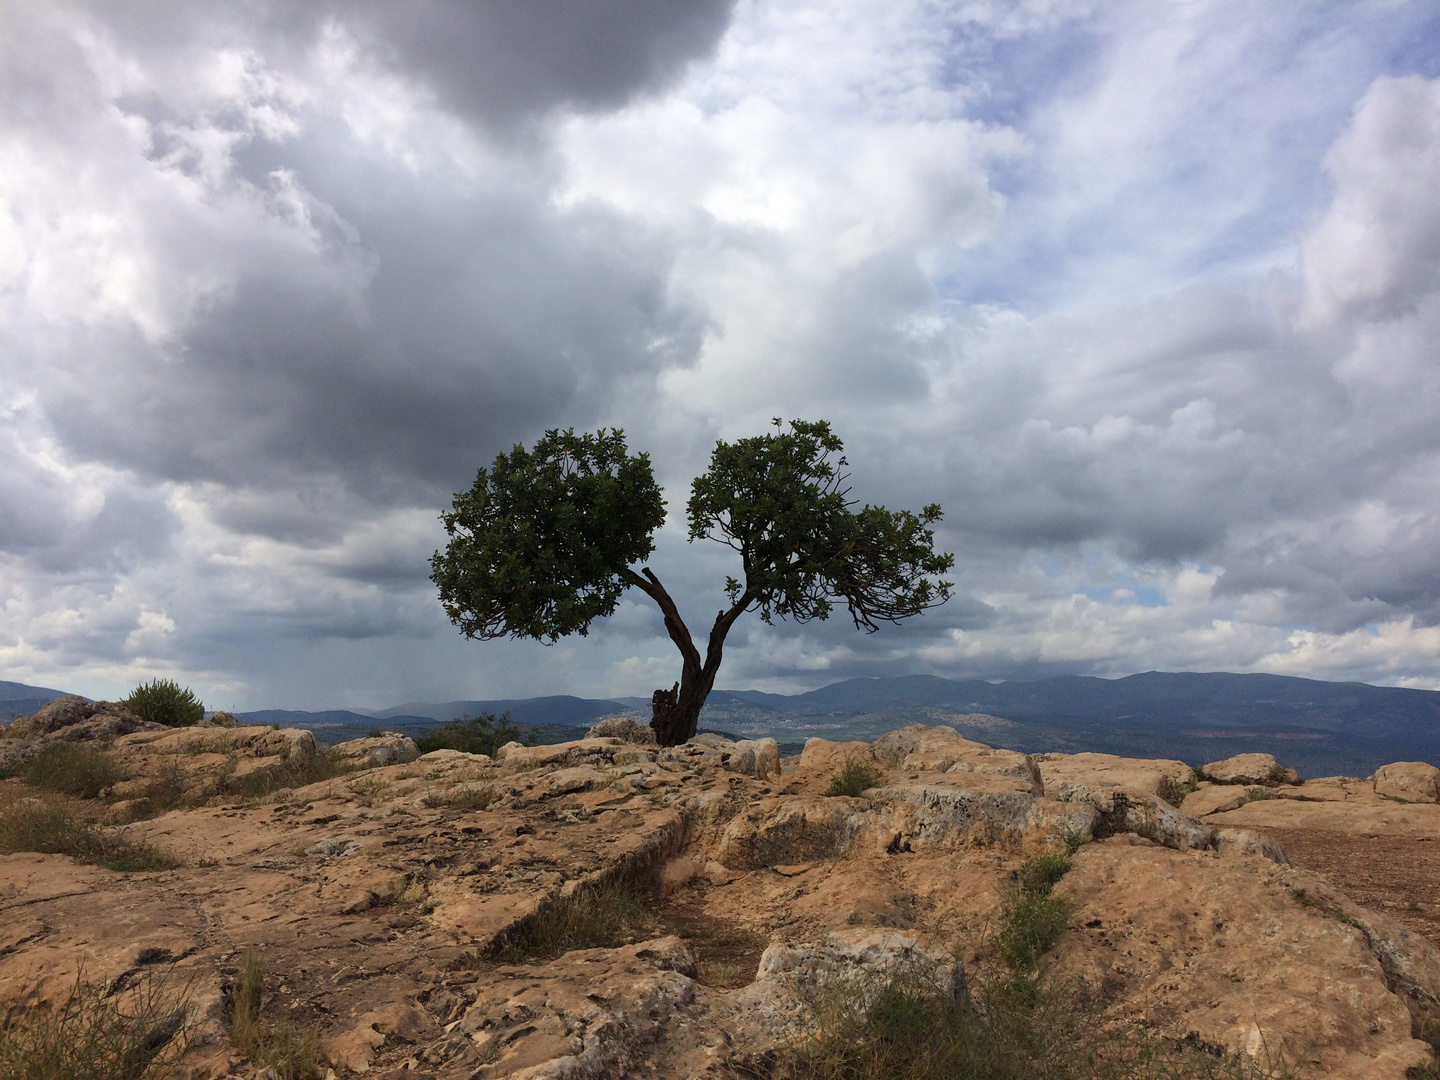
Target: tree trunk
(675,712)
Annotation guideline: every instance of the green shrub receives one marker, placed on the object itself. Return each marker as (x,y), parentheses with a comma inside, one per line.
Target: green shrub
(82,771)
(483,734)
(854,779)
(162,701)
(593,917)
(94,1036)
(290,1049)
(30,825)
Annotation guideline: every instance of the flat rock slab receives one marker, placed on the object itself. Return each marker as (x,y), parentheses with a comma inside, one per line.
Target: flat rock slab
(1383,818)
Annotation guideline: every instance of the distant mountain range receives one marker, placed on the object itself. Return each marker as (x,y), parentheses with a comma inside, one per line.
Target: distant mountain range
(1319,728)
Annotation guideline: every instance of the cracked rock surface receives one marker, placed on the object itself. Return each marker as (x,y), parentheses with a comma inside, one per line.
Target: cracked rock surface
(377,898)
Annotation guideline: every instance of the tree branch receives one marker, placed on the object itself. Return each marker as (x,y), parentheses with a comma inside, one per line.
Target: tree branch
(674,625)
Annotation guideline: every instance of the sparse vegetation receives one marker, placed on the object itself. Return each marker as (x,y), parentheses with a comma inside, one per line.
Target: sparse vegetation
(913,1026)
(261,784)
(82,771)
(593,917)
(163,701)
(1034,918)
(483,734)
(1174,792)
(290,1049)
(853,779)
(92,1035)
(35,825)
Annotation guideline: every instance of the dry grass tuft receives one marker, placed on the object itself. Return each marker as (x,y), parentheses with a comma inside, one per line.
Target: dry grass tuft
(136,1035)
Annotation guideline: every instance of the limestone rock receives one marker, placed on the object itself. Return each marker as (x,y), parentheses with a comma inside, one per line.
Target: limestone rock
(68,719)
(780,1004)
(759,758)
(827,758)
(1211,798)
(1408,781)
(622,728)
(381,748)
(1242,842)
(375,899)
(1221,950)
(1104,772)
(1378,817)
(788,830)
(943,749)
(1249,769)
(204,761)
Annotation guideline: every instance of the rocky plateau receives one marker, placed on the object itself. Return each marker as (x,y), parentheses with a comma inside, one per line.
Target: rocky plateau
(1232,907)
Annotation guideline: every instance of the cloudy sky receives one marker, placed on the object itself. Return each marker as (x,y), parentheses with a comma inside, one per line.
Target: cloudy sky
(1146,294)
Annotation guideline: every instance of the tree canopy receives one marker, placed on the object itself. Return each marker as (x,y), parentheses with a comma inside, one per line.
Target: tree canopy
(547,540)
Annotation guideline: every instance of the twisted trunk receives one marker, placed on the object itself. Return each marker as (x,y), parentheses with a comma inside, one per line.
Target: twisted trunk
(675,712)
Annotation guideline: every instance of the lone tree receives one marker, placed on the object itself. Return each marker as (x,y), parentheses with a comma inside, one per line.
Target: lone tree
(548,539)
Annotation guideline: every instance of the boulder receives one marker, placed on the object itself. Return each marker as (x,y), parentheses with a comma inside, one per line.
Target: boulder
(828,758)
(1103,772)
(759,758)
(943,749)
(1249,769)
(372,751)
(204,761)
(1408,781)
(789,830)
(778,1006)
(1211,798)
(68,719)
(622,728)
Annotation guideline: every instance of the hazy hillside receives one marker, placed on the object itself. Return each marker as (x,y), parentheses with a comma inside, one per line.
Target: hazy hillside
(18,699)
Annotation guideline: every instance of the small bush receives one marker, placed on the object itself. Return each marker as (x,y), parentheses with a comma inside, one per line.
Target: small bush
(483,734)
(594,917)
(291,1050)
(92,1036)
(30,825)
(82,771)
(854,779)
(1174,792)
(162,701)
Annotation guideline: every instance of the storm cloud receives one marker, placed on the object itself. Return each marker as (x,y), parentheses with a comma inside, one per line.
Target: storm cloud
(1146,296)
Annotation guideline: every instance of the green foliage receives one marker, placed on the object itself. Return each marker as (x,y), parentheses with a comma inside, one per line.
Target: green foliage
(544,541)
(908,1028)
(854,779)
(1173,791)
(781,502)
(162,701)
(1041,874)
(92,1035)
(290,1049)
(483,734)
(82,771)
(31,825)
(593,917)
(539,543)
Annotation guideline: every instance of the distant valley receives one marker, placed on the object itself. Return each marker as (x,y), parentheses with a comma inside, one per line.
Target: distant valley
(1319,728)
